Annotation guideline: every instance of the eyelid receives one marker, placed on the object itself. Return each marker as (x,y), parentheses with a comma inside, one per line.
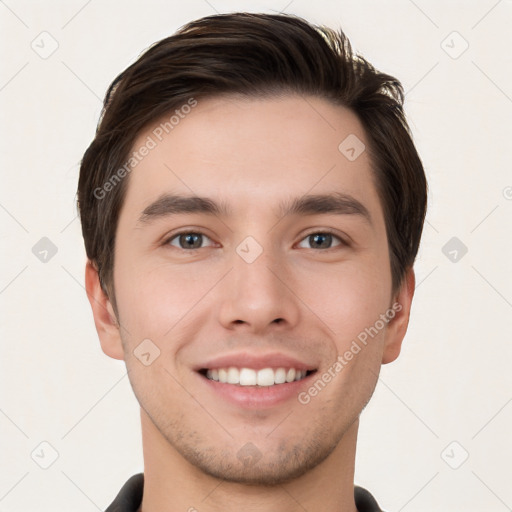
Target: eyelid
(327,231)
(170,237)
(324,231)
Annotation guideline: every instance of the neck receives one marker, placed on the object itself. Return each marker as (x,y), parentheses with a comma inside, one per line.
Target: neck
(171,483)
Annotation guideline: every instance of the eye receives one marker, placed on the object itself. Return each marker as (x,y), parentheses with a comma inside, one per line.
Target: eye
(322,240)
(187,240)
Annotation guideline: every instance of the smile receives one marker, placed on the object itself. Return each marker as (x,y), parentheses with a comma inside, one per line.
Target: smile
(250,377)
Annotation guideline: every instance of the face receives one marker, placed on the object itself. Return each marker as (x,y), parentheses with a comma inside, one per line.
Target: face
(283,264)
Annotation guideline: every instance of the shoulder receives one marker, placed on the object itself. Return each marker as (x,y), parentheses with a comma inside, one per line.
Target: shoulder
(129,497)
(365,502)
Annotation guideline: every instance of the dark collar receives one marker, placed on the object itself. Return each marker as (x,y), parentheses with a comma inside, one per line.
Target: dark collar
(130,497)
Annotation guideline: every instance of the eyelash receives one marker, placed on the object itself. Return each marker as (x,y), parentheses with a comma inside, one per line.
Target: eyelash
(342,242)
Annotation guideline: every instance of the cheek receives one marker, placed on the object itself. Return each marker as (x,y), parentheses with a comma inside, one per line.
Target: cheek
(153,300)
(352,304)
(348,298)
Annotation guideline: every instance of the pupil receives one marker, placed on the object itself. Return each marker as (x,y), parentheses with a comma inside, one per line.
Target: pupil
(189,239)
(322,240)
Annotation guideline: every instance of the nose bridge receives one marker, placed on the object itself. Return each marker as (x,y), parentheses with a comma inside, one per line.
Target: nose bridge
(255,293)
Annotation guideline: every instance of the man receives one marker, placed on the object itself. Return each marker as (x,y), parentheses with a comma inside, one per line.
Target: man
(252,205)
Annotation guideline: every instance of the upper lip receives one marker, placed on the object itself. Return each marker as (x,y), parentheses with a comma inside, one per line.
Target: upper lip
(257,362)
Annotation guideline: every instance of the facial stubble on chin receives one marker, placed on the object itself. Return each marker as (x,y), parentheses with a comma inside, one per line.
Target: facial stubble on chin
(278,466)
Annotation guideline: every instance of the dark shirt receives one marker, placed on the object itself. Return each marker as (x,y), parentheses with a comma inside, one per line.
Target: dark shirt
(130,497)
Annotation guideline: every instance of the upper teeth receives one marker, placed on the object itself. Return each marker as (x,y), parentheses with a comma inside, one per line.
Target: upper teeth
(250,377)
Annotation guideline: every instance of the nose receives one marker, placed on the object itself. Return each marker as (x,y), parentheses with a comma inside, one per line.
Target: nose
(258,296)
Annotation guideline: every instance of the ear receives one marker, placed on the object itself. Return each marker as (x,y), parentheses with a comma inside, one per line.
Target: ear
(397,326)
(105,320)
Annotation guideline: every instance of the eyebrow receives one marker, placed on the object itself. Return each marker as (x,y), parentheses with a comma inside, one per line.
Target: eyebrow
(337,203)
(334,203)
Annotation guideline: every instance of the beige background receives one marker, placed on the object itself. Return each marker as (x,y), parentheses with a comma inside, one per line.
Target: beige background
(452,382)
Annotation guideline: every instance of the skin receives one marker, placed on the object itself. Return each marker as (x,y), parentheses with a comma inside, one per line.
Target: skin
(195,304)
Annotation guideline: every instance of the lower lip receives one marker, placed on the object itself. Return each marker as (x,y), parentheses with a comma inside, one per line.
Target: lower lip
(257,397)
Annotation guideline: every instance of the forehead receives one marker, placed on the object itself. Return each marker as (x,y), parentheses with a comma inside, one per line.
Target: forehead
(252,152)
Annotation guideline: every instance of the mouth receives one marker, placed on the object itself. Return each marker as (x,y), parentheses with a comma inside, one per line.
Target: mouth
(258,378)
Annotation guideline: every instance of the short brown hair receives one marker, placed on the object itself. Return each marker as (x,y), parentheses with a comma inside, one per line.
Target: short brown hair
(254,55)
